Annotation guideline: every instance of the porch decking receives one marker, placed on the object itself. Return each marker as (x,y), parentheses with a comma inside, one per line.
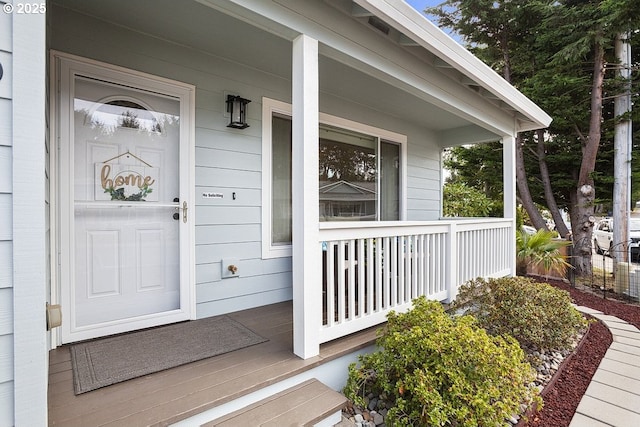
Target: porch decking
(175,394)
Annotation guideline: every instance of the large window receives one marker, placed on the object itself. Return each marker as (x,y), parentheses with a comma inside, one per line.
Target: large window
(281,181)
(359,174)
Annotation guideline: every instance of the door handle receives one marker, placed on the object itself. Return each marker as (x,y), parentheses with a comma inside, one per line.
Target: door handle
(184,212)
(184,209)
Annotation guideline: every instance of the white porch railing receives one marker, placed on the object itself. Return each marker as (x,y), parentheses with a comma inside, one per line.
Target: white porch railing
(370,269)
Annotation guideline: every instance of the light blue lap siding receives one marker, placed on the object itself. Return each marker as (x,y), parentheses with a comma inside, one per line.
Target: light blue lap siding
(228,161)
(6,213)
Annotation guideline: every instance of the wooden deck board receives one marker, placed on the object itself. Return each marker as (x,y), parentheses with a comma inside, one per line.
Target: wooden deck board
(168,396)
(149,392)
(297,405)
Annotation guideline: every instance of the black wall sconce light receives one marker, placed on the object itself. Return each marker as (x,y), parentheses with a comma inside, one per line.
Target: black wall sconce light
(237,109)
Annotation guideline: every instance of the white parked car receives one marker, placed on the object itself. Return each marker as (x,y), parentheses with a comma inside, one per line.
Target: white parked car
(603,237)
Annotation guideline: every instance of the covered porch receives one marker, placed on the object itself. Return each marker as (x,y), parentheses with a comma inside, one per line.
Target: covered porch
(367,271)
(394,97)
(174,395)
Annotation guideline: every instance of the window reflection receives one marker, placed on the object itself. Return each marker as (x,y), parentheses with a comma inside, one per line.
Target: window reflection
(347,176)
(358,177)
(117,114)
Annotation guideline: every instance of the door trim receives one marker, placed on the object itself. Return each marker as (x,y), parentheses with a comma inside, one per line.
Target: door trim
(64,68)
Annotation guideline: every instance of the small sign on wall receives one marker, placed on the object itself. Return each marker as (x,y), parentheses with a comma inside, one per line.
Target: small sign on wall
(212,195)
(126,182)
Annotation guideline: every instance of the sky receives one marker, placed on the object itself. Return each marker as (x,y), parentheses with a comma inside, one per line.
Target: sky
(421,5)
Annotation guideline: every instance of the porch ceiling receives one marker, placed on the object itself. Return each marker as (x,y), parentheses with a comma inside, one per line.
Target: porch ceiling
(197,26)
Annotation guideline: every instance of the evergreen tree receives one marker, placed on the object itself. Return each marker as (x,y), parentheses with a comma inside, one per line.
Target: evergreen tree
(559,53)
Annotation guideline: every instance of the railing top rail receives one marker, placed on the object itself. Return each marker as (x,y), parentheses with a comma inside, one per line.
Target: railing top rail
(362,230)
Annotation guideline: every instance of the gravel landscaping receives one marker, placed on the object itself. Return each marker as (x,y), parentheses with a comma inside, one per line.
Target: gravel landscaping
(562,396)
(565,377)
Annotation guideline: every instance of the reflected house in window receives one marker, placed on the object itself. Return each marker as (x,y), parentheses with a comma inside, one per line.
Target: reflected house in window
(347,201)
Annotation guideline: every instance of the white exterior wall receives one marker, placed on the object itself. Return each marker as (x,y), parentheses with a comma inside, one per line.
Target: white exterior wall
(229,160)
(23,337)
(6,247)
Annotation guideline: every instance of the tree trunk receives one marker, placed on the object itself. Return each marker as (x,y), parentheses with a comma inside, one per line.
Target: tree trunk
(622,157)
(523,189)
(561,227)
(583,219)
(521,174)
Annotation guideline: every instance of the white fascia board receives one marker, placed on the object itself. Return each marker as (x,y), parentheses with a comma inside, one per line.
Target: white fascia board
(414,25)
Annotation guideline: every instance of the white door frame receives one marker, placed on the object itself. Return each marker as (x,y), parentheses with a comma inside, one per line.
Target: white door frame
(64,69)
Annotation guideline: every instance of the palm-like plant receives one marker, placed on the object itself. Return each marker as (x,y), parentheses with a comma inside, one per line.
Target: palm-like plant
(540,248)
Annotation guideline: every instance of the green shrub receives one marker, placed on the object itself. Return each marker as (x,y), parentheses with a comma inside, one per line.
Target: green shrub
(436,370)
(540,249)
(536,314)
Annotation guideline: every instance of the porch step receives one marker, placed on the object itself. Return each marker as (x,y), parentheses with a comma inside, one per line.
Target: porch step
(305,404)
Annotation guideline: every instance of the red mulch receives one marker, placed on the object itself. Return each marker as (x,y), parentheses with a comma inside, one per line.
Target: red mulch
(561,398)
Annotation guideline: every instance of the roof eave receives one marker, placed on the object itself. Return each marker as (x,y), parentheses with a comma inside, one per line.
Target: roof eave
(417,27)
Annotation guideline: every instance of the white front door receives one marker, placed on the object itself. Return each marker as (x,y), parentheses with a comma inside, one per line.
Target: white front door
(125,218)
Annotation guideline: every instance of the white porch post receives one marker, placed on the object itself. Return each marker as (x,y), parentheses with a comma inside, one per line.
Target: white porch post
(509,182)
(307,256)
(452,262)
(30,356)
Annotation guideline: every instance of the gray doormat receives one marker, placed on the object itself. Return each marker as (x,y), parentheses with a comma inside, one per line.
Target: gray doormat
(111,360)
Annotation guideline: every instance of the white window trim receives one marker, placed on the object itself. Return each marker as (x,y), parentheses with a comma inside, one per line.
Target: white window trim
(271,106)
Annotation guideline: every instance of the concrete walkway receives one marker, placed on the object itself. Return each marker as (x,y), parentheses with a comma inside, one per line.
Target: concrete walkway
(613,396)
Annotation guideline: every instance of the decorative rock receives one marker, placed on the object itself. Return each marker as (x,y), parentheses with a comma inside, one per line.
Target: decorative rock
(377,418)
(373,403)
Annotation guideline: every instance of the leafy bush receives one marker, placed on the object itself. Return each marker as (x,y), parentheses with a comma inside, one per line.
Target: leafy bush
(460,200)
(437,370)
(541,248)
(536,314)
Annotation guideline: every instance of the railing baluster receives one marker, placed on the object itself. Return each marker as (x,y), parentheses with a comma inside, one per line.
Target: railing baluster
(400,241)
(431,260)
(370,282)
(331,284)
(413,270)
(422,290)
(466,252)
(442,262)
(386,272)
(393,271)
(341,284)
(360,279)
(351,282)
(378,268)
